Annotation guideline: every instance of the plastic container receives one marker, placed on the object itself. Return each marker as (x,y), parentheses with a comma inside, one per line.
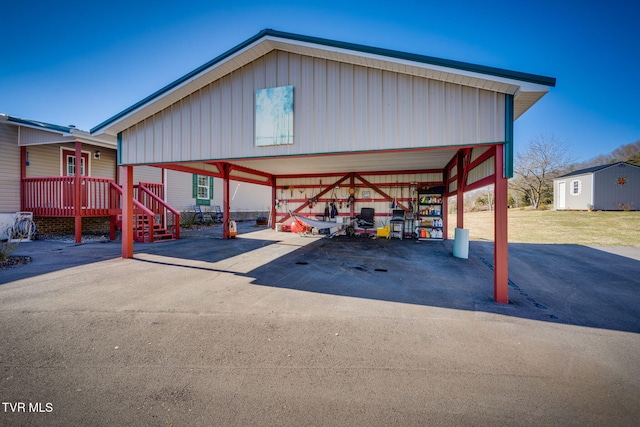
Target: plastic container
(384,231)
(461,243)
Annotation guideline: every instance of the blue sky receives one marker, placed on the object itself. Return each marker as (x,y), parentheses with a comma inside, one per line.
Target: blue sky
(79,62)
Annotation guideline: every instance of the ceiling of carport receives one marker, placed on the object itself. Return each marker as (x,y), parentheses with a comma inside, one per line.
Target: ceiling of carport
(380,161)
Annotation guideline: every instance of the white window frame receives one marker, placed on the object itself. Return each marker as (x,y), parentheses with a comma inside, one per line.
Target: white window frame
(576,187)
(204,183)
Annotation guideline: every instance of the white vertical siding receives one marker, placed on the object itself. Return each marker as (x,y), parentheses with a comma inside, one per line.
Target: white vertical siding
(337,107)
(147,174)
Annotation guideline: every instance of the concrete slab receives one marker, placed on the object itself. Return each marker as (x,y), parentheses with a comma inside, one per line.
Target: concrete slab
(277,329)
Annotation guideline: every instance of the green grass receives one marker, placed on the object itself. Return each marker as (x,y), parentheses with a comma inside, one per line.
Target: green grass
(558,227)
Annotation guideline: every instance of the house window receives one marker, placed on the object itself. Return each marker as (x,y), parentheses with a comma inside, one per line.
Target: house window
(71,166)
(576,187)
(203,189)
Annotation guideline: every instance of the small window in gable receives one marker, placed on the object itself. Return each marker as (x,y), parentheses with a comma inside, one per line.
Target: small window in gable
(576,187)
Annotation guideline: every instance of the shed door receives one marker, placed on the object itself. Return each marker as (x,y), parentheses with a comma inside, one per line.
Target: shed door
(562,193)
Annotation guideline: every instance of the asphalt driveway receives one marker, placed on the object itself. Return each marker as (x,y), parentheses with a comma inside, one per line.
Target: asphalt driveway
(277,329)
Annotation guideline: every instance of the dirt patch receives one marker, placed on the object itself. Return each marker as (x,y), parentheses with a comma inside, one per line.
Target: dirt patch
(14,261)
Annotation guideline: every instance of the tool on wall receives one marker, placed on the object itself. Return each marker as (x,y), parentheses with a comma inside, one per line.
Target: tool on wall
(352,198)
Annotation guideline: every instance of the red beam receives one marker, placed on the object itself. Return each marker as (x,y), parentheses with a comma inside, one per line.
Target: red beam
(317,197)
(188,169)
(251,171)
(379,191)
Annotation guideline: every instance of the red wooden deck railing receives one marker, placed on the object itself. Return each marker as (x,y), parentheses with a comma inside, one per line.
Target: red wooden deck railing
(54,196)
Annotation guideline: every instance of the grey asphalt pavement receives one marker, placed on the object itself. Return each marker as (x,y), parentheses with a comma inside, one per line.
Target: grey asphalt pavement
(278,329)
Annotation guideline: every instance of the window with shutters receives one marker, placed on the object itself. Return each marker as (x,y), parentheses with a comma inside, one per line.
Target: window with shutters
(576,187)
(203,189)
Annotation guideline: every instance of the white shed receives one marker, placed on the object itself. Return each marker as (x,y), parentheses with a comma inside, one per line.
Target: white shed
(610,187)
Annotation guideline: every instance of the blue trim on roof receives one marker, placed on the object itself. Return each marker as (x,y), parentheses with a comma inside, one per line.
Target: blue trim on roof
(42,125)
(464,66)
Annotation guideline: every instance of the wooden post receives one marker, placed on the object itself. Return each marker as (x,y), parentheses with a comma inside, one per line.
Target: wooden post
(460,189)
(127,211)
(501,240)
(77,199)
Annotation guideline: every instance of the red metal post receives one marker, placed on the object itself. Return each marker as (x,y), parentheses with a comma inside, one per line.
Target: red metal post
(352,184)
(460,189)
(127,211)
(274,194)
(78,193)
(225,201)
(501,240)
(445,202)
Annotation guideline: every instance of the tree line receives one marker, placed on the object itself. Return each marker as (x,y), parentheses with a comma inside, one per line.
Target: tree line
(545,158)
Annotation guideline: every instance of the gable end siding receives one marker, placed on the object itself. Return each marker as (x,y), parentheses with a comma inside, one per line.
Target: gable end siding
(337,108)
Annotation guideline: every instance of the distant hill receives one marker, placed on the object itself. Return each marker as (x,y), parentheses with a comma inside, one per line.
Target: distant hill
(625,153)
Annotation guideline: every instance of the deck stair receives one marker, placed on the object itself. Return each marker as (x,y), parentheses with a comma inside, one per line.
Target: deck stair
(145,230)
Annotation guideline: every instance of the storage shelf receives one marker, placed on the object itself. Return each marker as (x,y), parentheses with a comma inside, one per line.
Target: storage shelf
(430,204)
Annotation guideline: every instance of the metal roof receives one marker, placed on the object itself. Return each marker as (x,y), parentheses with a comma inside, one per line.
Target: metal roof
(66,133)
(592,169)
(527,88)
(37,124)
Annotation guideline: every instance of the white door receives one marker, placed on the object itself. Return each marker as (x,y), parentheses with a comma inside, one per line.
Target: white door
(562,193)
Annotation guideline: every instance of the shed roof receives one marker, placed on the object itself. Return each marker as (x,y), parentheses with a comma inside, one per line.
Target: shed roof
(526,88)
(593,169)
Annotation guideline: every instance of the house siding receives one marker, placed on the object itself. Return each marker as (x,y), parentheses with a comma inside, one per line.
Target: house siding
(147,174)
(337,108)
(244,196)
(9,169)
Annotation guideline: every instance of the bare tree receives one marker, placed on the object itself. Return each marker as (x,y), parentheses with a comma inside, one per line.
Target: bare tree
(543,159)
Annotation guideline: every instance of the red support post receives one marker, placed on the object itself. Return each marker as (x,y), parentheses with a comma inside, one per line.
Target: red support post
(352,184)
(127,211)
(78,193)
(460,189)
(445,204)
(501,240)
(225,201)
(274,194)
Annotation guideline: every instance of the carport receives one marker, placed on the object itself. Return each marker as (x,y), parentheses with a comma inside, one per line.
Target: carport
(383,123)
